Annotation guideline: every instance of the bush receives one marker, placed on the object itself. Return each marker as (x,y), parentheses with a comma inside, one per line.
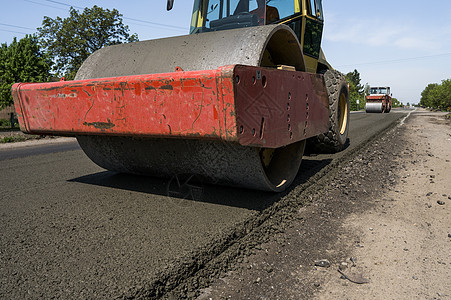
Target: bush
(5,123)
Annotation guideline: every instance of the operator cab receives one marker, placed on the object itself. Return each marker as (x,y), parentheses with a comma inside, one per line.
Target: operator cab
(305,17)
(380,91)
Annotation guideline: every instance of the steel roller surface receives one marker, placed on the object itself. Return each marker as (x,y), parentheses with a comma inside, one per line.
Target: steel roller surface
(203,51)
(216,162)
(373,107)
(213,162)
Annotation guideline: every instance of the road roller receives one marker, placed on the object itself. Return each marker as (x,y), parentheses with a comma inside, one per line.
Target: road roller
(234,102)
(379,100)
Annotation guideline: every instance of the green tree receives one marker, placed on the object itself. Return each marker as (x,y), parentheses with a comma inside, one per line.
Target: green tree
(445,102)
(426,98)
(356,90)
(437,95)
(354,77)
(21,61)
(395,102)
(71,40)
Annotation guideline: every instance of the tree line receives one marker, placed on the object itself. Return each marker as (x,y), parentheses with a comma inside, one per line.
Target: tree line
(59,47)
(437,95)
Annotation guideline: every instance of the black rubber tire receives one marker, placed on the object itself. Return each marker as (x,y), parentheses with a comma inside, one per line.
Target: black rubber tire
(388,109)
(336,138)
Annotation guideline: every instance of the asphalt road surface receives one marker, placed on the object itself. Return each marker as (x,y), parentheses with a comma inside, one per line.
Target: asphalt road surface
(69,229)
(18,152)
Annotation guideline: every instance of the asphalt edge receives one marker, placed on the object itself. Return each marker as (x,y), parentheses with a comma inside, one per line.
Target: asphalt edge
(187,276)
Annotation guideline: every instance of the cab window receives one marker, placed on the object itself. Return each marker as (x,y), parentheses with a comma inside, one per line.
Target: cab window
(315,9)
(319,10)
(229,14)
(313,29)
(213,11)
(278,9)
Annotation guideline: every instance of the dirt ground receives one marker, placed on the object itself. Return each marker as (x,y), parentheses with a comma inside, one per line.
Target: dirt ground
(405,247)
(381,230)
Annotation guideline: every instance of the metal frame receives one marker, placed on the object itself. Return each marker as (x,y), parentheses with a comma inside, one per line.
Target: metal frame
(251,106)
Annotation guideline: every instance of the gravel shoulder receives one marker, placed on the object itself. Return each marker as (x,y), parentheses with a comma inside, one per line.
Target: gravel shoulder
(404,247)
(387,208)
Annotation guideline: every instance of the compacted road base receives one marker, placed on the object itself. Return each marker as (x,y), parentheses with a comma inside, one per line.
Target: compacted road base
(69,229)
(380,228)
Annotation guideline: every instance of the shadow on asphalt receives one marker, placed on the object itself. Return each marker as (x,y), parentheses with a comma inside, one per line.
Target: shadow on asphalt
(186,189)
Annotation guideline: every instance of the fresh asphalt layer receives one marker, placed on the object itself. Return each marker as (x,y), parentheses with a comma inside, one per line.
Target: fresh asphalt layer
(70,229)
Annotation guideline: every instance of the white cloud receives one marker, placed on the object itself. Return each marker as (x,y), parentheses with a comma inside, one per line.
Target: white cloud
(409,43)
(377,32)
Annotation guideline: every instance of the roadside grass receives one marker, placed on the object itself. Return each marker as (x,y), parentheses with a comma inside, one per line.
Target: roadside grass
(4,123)
(12,139)
(12,135)
(19,138)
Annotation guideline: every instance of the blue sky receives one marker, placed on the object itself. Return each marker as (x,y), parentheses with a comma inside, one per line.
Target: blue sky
(403,44)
